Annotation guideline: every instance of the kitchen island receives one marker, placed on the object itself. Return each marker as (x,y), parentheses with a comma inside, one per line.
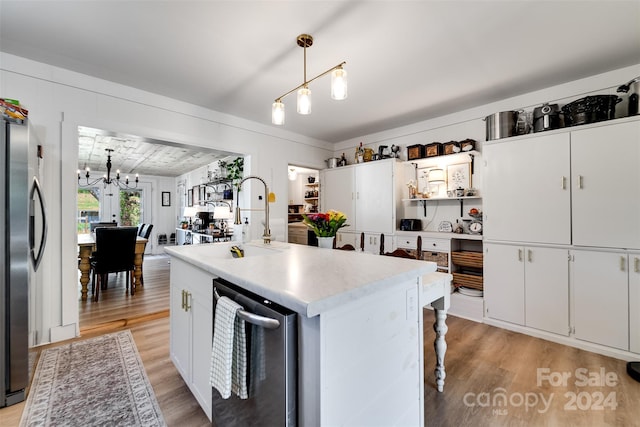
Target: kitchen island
(360,325)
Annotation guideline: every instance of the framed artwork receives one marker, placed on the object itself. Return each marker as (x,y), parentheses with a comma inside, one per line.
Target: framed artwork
(166,198)
(195,195)
(190,197)
(202,196)
(458,175)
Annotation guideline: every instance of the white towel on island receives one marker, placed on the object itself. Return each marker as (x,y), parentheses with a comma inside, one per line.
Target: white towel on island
(229,353)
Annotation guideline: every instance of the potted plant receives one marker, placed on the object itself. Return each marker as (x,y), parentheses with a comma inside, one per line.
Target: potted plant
(325,225)
(235,170)
(223,168)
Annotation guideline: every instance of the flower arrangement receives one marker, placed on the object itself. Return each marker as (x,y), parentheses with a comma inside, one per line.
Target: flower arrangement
(325,224)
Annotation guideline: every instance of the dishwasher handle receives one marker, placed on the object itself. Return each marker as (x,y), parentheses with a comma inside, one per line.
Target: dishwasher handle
(254,319)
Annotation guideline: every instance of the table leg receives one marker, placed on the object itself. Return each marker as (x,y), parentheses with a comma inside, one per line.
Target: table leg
(85,268)
(137,272)
(440,345)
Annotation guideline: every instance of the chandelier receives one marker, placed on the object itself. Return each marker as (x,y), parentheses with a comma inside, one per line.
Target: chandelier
(338,85)
(107,179)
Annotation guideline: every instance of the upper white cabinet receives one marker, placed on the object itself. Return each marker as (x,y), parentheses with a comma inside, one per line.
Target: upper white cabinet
(364,193)
(526,190)
(605,167)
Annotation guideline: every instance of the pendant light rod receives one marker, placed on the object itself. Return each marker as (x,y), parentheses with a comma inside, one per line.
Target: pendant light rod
(278,99)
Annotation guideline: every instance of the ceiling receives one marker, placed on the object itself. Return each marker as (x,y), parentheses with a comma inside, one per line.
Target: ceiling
(407,61)
(133,154)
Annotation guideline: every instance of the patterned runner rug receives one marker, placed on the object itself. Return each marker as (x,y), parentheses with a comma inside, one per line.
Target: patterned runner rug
(98,381)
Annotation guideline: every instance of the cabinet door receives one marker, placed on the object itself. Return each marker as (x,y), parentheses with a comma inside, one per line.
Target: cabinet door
(202,331)
(526,195)
(504,282)
(546,286)
(605,167)
(634,303)
(375,206)
(601,298)
(180,328)
(338,192)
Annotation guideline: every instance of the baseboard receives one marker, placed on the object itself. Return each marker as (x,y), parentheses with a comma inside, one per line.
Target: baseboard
(568,340)
(61,333)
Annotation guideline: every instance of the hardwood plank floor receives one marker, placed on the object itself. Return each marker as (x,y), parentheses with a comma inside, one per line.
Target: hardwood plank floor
(480,361)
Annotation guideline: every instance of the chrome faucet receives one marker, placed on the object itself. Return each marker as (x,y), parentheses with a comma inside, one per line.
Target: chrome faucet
(266,237)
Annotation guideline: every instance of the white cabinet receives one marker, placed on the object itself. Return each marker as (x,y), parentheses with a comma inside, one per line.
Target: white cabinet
(528,286)
(605,167)
(601,297)
(365,193)
(191,331)
(526,190)
(634,302)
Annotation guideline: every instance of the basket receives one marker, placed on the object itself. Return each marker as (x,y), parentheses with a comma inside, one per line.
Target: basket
(468,281)
(467,259)
(440,258)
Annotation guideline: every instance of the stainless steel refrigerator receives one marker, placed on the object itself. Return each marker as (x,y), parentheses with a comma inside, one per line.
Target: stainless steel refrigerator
(20,254)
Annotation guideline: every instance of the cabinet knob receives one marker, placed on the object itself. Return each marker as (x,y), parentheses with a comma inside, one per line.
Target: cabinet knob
(623,263)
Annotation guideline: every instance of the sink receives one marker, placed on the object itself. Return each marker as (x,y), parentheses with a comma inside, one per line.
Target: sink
(257,248)
(251,250)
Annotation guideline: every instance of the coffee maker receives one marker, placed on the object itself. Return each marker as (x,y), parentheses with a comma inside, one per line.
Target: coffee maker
(205,219)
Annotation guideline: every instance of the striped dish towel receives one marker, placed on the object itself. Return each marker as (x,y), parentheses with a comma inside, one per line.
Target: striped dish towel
(229,352)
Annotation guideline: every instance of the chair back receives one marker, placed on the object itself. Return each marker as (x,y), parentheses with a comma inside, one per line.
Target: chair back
(145,231)
(95,225)
(115,249)
(402,253)
(141,229)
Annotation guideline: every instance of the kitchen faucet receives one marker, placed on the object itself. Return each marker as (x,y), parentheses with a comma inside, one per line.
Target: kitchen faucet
(266,237)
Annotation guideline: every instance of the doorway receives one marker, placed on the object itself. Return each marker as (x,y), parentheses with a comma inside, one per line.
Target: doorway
(303,198)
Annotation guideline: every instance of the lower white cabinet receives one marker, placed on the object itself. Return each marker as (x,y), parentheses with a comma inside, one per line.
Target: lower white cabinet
(527,286)
(191,314)
(634,302)
(601,297)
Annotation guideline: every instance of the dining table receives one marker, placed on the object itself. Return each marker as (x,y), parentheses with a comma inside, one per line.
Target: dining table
(87,245)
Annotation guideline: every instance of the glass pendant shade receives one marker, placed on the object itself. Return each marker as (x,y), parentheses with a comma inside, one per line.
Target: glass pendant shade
(277,113)
(304,101)
(339,84)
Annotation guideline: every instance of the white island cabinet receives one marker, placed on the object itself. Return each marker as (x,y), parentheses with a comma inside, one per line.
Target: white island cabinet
(359,322)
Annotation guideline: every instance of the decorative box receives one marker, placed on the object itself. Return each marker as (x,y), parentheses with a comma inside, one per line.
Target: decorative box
(415,152)
(433,149)
(450,147)
(467,144)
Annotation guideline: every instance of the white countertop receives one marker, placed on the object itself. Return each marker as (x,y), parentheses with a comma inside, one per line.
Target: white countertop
(305,279)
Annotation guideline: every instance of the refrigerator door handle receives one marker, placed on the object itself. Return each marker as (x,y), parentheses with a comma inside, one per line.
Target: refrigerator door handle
(36,188)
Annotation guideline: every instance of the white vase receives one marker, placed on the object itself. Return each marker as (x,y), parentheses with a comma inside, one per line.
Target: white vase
(325,242)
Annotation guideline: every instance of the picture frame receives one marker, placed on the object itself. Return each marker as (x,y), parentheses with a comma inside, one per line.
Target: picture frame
(458,175)
(195,195)
(166,198)
(189,197)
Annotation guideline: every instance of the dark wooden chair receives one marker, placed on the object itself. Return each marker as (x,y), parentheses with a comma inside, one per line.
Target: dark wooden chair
(115,252)
(402,253)
(349,247)
(144,231)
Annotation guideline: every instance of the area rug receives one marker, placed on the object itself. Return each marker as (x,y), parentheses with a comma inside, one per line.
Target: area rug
(95,382)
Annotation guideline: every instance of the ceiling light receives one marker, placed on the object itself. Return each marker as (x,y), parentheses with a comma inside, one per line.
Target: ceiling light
(106,179)
(338,86)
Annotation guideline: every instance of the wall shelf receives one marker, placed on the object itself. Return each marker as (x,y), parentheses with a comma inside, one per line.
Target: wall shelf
(424,201)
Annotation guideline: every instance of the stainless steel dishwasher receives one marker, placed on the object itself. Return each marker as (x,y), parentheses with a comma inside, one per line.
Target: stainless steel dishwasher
(271,332)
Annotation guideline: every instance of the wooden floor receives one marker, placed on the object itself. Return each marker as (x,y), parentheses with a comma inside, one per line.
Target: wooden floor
(483,364)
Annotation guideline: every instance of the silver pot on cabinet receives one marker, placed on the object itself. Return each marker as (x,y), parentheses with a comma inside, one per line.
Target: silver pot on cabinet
(546,117)
(502,124)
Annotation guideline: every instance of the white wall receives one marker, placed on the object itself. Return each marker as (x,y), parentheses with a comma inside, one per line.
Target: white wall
(59,101)
(470,124)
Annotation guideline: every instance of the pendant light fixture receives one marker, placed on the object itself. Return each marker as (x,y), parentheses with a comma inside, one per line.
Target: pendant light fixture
(338,86)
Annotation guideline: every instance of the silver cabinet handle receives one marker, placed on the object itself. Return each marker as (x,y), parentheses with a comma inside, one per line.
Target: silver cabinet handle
(580,182)
(623,263)
(564,183)
(187,296)
(636,264)
(254,319)
(519,254)
(529,255)
(182,302)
